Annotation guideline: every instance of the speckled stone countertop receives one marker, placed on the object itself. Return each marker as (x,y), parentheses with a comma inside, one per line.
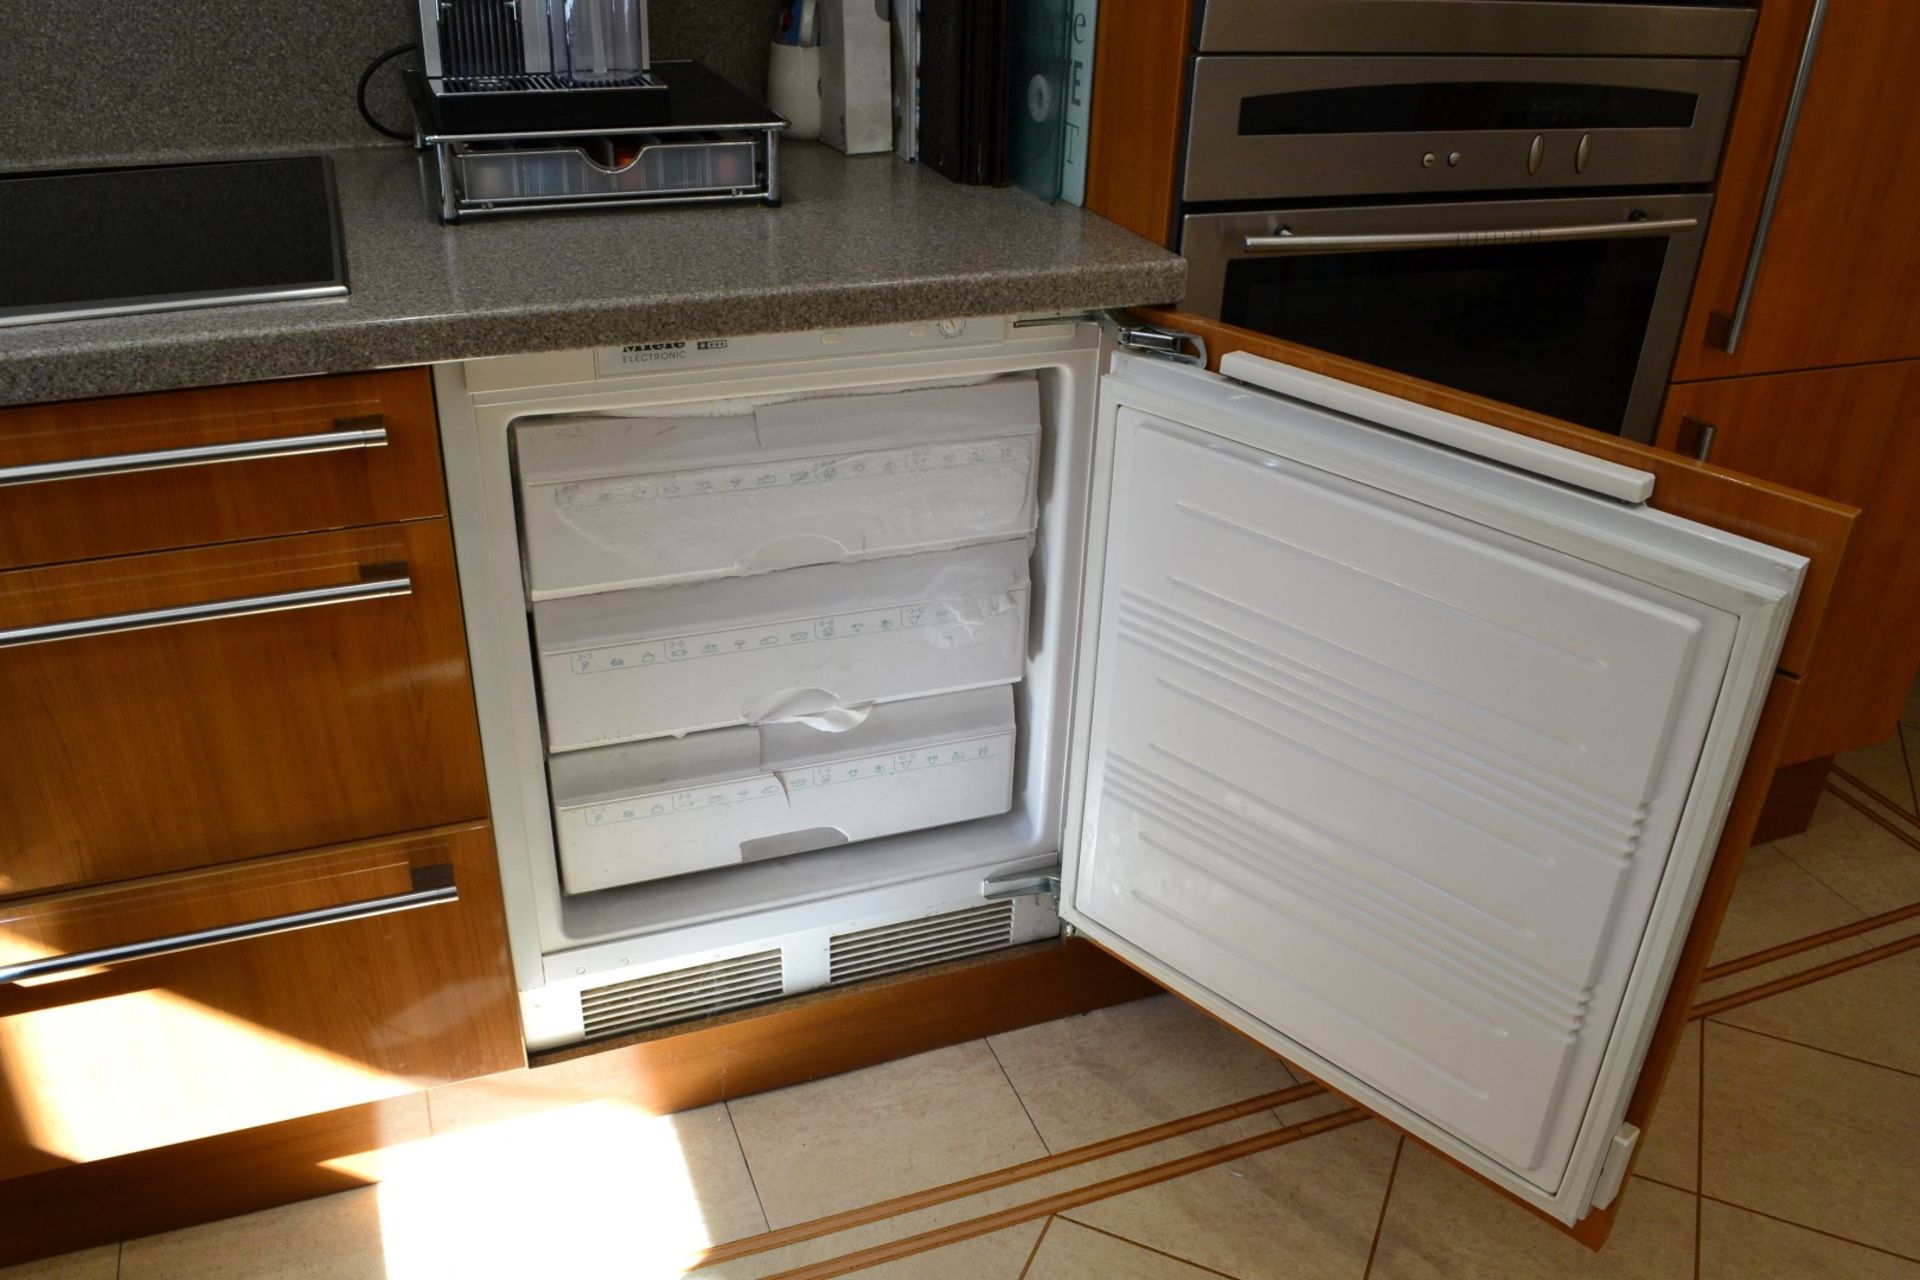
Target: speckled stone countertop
(866,240)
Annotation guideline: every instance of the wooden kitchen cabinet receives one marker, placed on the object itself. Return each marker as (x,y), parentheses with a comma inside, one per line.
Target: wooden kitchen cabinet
(80,480)
(322,696)
(1848,434)
(1838,277)
(409,987)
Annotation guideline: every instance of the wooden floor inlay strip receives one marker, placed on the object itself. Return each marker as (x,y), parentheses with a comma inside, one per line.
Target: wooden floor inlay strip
(899,1205)
(1811,942)
(1873,815)
(1792,981)
(987,1224)
(1886,800)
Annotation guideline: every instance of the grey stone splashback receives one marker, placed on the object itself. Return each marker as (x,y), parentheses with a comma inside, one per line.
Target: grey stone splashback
(86,82)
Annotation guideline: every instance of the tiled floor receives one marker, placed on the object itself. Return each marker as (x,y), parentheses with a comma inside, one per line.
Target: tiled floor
(1145,1142)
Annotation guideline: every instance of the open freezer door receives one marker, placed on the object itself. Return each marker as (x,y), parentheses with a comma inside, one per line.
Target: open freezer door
(1406,757)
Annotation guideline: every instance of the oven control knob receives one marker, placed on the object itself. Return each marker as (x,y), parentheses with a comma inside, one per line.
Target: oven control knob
(1581,152)
(1535,153)
(1427,160)
(1453,159)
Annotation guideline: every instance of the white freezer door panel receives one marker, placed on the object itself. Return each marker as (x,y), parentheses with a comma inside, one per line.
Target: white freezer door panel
(1399,785)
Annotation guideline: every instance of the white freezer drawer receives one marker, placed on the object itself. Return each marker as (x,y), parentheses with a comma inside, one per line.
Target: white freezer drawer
(664,807)
(801,643)
(611,502)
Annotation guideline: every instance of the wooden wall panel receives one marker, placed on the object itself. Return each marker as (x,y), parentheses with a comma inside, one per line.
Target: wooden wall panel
(1138,113)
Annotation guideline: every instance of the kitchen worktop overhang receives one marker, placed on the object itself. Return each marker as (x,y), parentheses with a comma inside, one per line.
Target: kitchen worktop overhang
(867,240)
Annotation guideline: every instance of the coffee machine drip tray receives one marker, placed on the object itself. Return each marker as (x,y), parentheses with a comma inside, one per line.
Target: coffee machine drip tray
(83,243)
(691,137)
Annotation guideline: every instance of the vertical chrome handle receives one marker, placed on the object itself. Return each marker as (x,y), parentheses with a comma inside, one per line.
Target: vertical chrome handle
(1696,437)
(1737,322)
(348,433)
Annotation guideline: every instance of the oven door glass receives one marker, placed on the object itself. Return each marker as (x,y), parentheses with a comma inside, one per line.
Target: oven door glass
(1579,329)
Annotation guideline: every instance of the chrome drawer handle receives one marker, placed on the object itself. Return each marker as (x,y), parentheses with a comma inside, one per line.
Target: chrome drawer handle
(1287,242)
(346,435)
(1737,322)
(211,611)
(432,885)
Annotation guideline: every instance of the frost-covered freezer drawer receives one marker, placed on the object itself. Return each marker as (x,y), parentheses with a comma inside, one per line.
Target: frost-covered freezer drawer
(667,806)
(807,642)
(612,502)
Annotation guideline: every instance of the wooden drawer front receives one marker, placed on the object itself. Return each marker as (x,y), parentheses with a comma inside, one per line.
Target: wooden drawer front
(138,1053)
(186,468)
(156,748)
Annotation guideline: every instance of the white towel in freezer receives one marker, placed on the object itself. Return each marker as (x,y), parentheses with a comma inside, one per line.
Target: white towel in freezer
(817,644)
(665,807)
(611,502)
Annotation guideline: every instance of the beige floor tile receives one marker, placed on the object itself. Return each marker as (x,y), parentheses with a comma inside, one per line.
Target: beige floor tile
(1882,766)
(1121,1069)
(850,1140)
(1872,1012)
(1857,858)
(1777,900)
(1670,1152)
(1812,1138)
(1304,1211)
(336,1237)
(1443,1225)
(584,1190)
(88,1264)
(1000,1256)
(1070,1251)
(1737,1245)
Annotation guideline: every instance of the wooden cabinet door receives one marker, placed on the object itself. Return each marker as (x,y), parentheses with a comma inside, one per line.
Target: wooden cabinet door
(354,973)
(189,708)
(1852,435)
(1838,280)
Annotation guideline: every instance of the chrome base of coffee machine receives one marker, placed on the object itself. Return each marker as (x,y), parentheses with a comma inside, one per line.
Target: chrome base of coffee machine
(544,104)
(717,145)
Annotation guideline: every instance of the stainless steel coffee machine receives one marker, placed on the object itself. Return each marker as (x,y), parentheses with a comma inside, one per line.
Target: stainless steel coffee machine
(544,104)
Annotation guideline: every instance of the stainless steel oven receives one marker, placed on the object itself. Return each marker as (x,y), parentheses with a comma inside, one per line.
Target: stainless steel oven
(1506,196)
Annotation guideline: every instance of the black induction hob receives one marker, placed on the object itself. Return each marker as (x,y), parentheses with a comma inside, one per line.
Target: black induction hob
(105,242)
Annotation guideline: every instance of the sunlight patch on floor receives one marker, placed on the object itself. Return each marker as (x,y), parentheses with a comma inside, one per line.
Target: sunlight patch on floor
(601,1188)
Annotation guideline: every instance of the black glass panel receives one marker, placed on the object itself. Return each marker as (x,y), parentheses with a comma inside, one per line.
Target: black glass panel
(1556,328)
(111,235)
(1465,106)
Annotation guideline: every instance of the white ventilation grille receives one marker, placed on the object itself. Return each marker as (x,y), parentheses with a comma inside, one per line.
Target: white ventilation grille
(680,994)
(891,948)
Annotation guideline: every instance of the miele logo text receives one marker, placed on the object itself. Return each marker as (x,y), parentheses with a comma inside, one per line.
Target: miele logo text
(640,352)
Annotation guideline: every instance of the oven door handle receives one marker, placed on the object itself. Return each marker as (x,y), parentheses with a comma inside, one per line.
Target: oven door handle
(1286,242)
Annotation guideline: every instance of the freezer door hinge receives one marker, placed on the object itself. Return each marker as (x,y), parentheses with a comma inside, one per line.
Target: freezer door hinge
(1024,885)
(1613,1172)
(1143,339)
(1152,340)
